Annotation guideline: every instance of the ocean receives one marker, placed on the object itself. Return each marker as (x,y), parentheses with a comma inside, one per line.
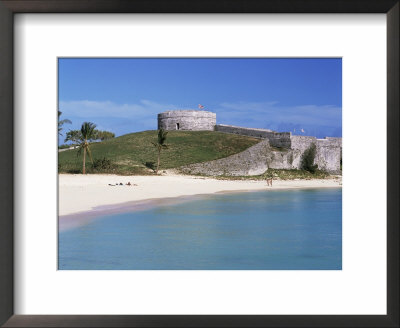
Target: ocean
(264,230)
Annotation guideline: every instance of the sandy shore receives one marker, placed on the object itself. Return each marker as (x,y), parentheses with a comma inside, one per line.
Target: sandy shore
(79,193)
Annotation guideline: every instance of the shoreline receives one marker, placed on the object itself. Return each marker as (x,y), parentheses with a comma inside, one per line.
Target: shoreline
(69,221)
(92,193)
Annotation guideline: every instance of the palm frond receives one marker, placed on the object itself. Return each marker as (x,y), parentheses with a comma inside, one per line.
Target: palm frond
(61,123)
(64,121)
(87,130)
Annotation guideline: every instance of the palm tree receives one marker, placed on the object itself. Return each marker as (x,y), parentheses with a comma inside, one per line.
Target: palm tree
(61,123)
(162,136)
(74,136)
(87,131)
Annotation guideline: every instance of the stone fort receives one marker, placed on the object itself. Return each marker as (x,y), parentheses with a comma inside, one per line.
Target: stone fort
(277,150)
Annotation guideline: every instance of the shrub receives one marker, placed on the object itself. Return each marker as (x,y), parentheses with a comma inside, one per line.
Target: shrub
(102,164)
(307,159)
(151,165)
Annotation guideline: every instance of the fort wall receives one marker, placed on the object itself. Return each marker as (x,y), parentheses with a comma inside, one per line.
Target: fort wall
(258,158)
(280,139)
(328,151)
(329,154)
(276,139)
(252,161)
(255,160)
(302,142)
(256,133)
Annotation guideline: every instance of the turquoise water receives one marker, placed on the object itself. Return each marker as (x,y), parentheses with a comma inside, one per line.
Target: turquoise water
(264,230)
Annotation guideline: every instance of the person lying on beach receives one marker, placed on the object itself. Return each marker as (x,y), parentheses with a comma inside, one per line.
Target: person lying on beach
(121,184)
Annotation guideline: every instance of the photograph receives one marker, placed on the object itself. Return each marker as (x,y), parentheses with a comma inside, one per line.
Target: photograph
(197,172)
(199,163)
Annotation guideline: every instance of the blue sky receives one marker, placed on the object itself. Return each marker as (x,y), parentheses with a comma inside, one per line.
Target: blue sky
(125,95)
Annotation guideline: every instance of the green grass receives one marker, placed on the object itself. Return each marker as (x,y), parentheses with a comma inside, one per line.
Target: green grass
(281,175)
(133,154)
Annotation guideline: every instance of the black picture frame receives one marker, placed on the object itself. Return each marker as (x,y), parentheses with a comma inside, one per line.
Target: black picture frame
(10,7)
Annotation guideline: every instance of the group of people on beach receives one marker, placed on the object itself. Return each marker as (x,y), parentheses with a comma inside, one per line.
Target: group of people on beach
(121,184)
(269,177)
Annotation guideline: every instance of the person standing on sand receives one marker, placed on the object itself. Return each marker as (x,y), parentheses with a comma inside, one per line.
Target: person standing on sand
(269,176)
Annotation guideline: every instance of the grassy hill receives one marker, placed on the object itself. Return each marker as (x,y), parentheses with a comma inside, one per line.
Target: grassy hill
(134,153)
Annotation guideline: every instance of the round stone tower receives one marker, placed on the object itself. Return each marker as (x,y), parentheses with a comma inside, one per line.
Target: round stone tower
(187,120)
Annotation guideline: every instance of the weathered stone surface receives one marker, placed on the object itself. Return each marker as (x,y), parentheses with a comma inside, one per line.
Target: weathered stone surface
(288,159)
(328,151)
(279,139)
(256,133)
(302,142)
(329,154)
(258,158)
(276,139)
(187,120)
(334,141)
(252,161)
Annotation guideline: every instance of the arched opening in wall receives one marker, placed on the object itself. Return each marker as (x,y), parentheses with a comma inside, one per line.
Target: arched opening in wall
(177,126)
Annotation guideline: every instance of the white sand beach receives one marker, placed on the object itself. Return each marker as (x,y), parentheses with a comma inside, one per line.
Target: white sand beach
(79,193)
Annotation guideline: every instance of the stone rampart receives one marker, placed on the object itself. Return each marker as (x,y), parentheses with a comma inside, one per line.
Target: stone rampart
(302,142)
(258,158)
(333,141)
(276,139)
(328,152)
(252,161)
(287,159)
(256,133)
(187,120)
(280,139)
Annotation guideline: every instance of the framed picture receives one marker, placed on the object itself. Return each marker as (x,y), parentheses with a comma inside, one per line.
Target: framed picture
(319,272)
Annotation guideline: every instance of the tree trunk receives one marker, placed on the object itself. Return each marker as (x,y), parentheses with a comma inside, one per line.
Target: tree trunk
(84,161)
(158,160)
